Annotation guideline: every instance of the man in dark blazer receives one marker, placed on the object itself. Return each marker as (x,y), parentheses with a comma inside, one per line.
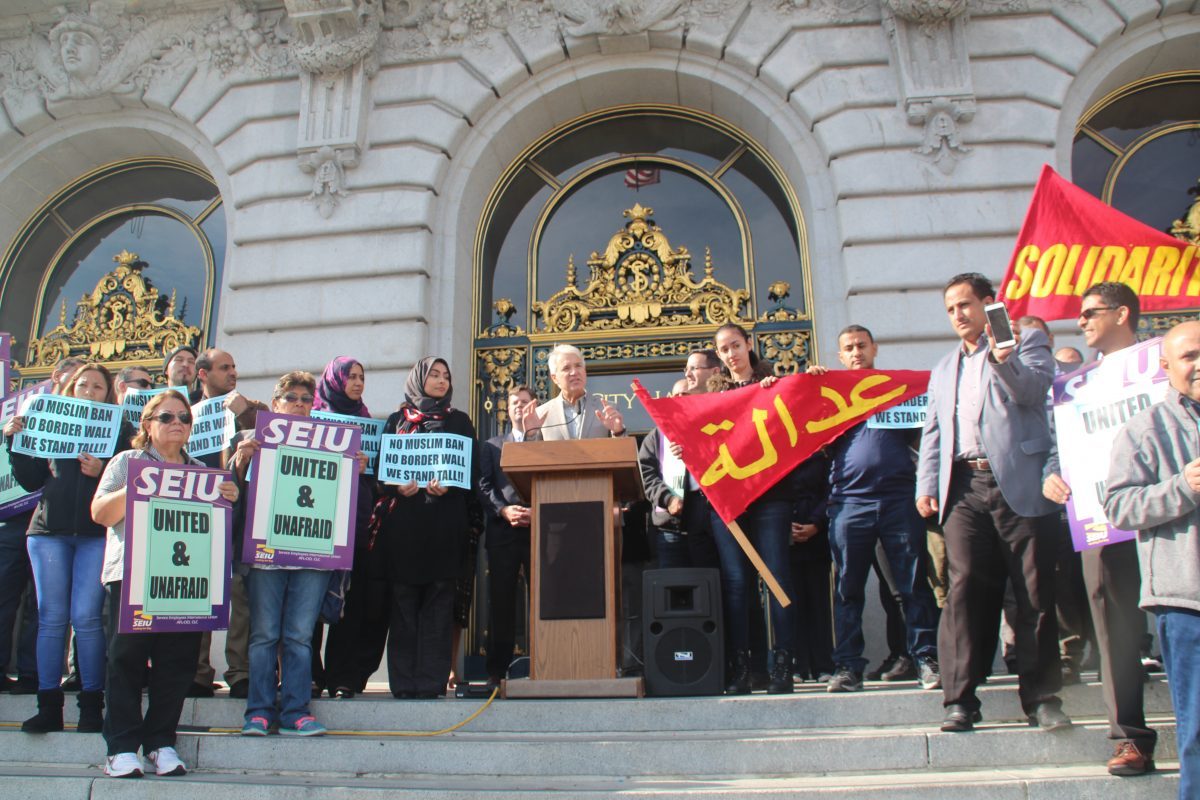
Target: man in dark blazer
(506,538)
(984,447)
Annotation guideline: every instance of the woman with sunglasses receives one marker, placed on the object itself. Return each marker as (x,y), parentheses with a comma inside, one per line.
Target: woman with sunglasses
(66,550)
(284,604)
(166,426)
(423,534)
(355,644)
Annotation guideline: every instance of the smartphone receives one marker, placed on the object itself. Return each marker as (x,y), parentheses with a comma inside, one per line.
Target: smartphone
(1002,328)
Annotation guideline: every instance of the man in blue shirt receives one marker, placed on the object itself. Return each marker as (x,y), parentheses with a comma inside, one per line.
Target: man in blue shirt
(872,484)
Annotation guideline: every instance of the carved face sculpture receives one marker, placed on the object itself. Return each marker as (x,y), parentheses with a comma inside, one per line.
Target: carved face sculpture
(80,54)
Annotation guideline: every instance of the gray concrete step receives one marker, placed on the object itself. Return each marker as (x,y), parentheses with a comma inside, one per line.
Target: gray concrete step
(883,742)
(809,707)
(658,753)
(1031,783)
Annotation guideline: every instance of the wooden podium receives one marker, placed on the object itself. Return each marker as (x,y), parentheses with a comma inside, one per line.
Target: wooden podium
(575,557)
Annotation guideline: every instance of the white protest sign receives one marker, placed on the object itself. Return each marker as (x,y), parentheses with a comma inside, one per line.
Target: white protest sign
(63,427)
(423,457)
(213,426)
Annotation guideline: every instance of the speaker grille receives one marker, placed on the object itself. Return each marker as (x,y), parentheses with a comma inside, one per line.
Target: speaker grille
(683,655)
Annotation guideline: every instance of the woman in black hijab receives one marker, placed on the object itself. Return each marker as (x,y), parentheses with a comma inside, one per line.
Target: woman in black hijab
(423,534)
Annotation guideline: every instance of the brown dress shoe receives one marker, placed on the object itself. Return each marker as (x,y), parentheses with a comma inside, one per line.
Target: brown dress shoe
(1129,760)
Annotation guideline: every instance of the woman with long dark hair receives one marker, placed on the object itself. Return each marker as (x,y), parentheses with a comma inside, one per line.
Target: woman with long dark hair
(66,550)
(424,533)
(768,525)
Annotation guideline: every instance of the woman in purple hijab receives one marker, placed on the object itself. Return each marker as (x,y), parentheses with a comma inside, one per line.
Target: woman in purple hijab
(355,645)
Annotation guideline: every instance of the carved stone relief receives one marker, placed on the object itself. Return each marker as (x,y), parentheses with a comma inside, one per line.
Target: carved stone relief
(334,42)
(110,52)
(929,49)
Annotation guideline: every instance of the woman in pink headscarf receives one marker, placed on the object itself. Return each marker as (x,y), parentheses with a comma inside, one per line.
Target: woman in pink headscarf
(354,648)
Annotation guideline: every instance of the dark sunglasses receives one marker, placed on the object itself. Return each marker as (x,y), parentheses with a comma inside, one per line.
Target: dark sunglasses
(303,398)
(141,383)
(167,417)
(1094,311)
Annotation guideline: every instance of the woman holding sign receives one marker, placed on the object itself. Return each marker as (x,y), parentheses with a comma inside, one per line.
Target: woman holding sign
(424,534)
(355,644)
(285,602)
(166,426)
(66,549)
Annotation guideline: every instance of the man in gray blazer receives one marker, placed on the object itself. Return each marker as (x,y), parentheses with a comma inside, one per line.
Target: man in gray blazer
(573,413)
(985,444)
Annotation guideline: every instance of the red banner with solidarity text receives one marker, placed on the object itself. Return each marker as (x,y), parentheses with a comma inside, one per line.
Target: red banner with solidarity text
(740,443)
(1071,241)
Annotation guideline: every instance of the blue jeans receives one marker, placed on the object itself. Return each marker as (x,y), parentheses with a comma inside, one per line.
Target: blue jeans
(1179,637)
(768,526)
(284,604)
(66,572)
(854,528)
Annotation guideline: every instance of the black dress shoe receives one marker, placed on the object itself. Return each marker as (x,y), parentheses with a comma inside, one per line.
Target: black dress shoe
(342,692)
(959,720)
(240,690)
(200,690)
(1049,717)
(25,684)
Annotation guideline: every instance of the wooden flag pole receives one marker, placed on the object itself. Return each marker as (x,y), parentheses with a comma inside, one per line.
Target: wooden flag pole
(759,565)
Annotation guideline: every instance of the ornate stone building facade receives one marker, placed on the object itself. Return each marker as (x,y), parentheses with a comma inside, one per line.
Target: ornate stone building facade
(362,154)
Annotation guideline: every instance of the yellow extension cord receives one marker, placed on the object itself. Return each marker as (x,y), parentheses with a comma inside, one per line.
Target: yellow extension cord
(374,734)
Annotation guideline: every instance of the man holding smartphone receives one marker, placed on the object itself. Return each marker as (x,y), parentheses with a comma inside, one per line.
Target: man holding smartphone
(985,444)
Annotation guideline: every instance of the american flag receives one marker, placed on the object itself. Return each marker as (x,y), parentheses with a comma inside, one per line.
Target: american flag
(637,177)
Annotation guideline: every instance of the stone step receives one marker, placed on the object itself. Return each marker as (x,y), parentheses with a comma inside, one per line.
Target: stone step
(810,707)
(1027,783)
(656,753)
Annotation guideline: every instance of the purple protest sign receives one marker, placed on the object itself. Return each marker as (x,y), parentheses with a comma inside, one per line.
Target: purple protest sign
(178,537)
(1090,406)
(13,498)
(303,493)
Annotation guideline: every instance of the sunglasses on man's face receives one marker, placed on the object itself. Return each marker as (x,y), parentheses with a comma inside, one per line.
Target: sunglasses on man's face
(140,383)
(290,397)
(1094,311)
(166,417)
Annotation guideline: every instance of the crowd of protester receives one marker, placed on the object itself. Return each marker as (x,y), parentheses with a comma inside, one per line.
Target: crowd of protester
(960,521)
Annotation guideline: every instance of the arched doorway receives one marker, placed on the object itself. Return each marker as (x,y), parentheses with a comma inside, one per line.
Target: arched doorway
(121,265)
(633,233)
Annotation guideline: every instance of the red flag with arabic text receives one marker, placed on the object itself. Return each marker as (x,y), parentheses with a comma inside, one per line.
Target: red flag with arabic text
(738,444)
(1071,241)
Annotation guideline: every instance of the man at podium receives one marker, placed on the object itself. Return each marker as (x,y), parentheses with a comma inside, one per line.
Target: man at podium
(573,414)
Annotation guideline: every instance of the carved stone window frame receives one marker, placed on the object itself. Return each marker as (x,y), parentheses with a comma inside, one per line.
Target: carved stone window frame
(511,349)
(16,259)
(1150,324)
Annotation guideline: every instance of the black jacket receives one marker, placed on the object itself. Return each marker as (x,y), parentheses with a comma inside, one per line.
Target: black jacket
(66,505)
(495,492)
(425,538)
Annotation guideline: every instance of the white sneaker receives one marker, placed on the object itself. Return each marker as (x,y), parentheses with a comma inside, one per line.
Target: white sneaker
(166,761)
(123,765)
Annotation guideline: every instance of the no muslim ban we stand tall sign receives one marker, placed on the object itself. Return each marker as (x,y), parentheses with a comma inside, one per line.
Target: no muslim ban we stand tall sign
(303,493)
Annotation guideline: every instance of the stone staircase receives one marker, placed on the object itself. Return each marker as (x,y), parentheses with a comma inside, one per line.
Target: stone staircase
(881,743)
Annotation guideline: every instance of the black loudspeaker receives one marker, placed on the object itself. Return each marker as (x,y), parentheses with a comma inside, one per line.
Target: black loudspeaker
(681,618)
